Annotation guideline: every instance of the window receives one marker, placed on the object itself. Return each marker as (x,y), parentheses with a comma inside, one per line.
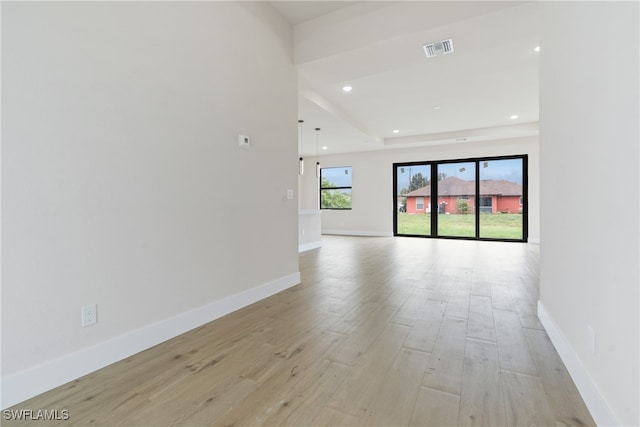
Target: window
(455,188)
(477,198)
(335,188)
(413,195)
(501,191)
(486,204)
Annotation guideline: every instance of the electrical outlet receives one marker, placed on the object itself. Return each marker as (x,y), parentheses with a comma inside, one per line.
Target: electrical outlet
(89,315)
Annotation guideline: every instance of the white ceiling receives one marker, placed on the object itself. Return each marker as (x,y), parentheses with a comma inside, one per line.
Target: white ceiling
(376,47)
(296,12)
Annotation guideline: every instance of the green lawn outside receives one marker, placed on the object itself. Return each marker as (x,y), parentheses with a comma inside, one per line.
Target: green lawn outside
(419,224)
(497,226)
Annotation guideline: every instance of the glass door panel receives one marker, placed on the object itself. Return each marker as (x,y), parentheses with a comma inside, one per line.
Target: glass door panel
(456,193)
(501,199)
(413,192)
(478,198)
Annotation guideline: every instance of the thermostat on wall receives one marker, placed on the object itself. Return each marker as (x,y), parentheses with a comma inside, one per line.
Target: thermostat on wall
(243,141)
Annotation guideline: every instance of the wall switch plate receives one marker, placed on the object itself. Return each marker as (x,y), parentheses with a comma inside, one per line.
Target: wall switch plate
(289,194)
(89,315)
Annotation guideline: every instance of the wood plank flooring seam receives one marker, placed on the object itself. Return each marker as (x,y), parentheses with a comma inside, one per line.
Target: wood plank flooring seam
(480,340)
(510,371)
(441,391)
(456,317)
(404,347)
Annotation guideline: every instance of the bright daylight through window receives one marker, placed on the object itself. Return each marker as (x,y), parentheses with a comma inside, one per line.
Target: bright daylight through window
(335,188)
(439,199)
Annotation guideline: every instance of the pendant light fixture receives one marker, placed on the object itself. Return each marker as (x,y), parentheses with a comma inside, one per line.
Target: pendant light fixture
(300,146)
(317,162)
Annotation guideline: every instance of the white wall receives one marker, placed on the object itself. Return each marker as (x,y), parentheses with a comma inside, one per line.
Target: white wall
(122,180)
(589,159)
(372,196)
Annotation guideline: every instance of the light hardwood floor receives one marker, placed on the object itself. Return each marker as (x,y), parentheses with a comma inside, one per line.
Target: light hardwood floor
(381,331)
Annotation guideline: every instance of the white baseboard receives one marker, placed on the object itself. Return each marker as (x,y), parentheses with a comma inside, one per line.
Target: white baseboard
(309,245)
(593,398)
(358,233)
(26,384)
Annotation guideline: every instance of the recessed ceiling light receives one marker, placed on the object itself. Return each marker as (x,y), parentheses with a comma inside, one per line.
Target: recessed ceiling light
(536,49)
(347,88)
(513,116)
(437,107)
(324,147)
(396,131)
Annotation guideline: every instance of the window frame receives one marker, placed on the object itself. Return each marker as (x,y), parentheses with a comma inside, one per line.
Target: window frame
(337,187)
(433,164)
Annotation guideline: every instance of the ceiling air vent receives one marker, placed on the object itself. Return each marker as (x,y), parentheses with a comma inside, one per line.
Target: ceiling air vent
(438,48)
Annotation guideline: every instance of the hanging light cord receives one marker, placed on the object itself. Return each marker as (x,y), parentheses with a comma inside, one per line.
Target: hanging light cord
(300,147)
(317,161)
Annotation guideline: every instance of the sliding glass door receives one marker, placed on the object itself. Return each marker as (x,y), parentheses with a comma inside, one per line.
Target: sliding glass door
(501,199)
(413,206)
(480,198)
(456,195)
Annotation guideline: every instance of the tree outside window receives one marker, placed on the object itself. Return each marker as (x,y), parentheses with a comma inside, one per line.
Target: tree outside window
(335,188)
